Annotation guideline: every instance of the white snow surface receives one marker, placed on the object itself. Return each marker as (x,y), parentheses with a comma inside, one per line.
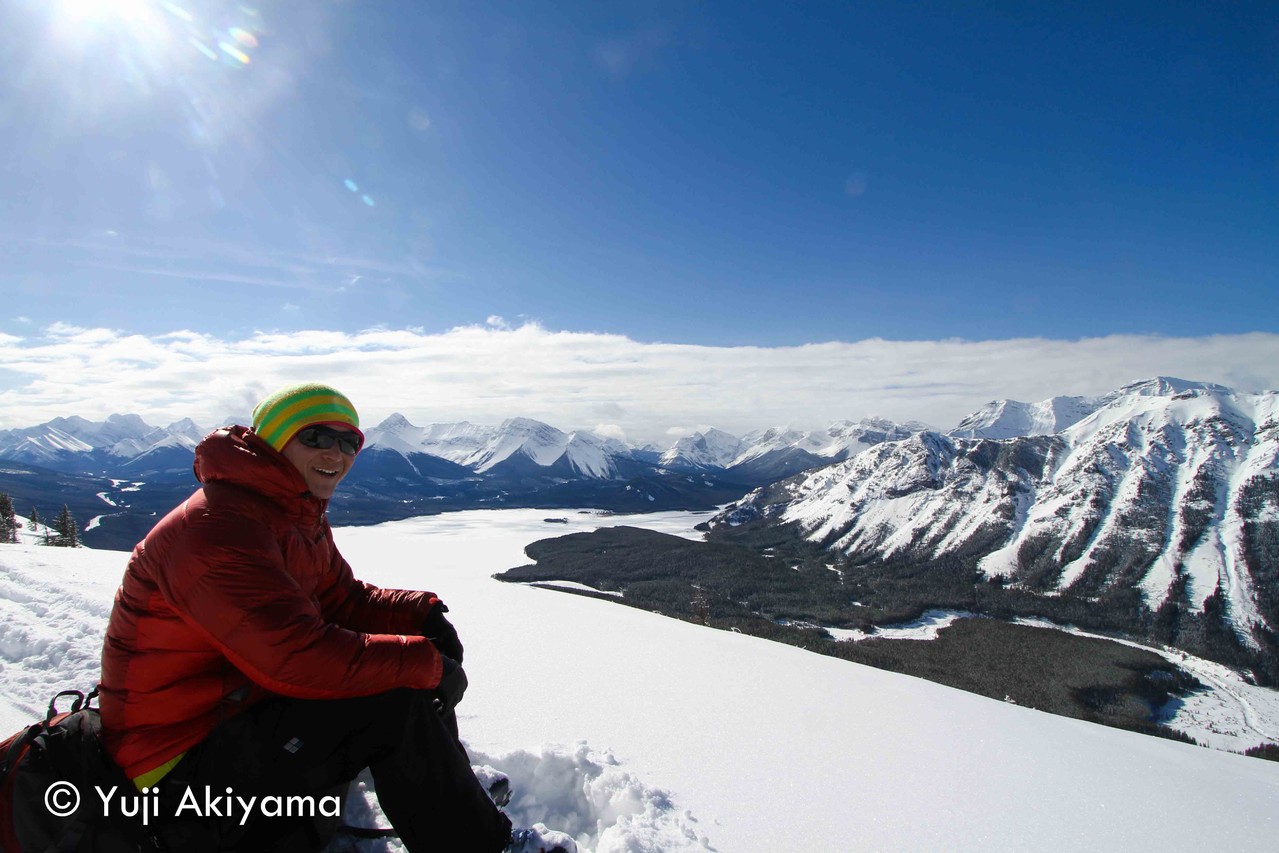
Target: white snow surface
(638,733)
(926,627)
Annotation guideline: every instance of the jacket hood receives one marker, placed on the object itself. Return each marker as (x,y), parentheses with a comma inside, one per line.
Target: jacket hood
(237,456)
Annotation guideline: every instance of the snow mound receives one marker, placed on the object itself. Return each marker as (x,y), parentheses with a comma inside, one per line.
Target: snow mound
(588,796)
(574,791)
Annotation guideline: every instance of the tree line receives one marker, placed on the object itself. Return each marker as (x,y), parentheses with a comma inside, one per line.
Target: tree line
(61,532)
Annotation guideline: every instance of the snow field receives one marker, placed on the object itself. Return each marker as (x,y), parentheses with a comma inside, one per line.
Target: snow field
(639,733)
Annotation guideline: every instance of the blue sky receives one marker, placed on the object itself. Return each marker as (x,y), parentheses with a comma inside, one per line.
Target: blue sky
(716,175)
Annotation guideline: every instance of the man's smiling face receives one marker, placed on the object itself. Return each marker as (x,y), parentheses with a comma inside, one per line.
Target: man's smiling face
(322,469)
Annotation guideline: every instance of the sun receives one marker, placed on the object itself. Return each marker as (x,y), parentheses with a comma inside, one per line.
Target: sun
(88,24)
(106,62)
(163,32)
(106,11)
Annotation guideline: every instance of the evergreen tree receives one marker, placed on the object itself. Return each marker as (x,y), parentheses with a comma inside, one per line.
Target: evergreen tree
(65,527)
(701,605)
(33,523)
(8,519)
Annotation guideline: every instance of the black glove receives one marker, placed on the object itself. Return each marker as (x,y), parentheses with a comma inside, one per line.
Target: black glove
(451,687)
(440,631)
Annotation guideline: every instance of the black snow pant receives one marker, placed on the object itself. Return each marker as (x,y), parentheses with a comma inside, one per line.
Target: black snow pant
(309,749)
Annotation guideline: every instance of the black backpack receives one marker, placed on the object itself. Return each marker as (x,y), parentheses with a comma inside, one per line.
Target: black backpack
(50,773)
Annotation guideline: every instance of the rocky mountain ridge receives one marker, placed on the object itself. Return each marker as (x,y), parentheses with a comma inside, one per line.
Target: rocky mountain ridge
(1160,502)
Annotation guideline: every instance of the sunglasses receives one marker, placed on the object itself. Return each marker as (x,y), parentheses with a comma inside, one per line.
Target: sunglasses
(322,438)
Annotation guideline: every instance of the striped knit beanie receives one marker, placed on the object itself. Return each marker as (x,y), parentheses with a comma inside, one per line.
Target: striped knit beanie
(279,417)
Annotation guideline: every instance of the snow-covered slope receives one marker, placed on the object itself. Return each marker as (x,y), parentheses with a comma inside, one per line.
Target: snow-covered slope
(640,734)
(171,452)
(49,446)
(1167,487)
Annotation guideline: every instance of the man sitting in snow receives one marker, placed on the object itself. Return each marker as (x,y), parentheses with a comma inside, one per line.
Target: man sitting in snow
(243,659)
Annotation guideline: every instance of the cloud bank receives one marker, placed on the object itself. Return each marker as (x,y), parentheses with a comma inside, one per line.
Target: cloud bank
(583,380)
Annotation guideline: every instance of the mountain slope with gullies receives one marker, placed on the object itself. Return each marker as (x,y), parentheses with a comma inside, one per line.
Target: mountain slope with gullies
(1156,514)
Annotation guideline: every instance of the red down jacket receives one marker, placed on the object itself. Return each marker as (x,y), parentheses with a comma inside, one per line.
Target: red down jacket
(240,593)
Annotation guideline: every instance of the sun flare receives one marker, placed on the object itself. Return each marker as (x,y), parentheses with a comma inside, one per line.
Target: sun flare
(105,11)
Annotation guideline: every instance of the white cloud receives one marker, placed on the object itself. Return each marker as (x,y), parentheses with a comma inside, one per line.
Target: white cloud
(419,120)
(577,380)
(610,431)
(621,57)
(855,186)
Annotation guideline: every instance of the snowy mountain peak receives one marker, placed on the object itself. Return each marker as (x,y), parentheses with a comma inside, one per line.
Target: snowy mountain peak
(1010,418)
(187,427)
(526,426)
(453,442)
(592,456)
(1166,386)
(711,449)
(395,423)
(542,443)
(128,424)
(99,434)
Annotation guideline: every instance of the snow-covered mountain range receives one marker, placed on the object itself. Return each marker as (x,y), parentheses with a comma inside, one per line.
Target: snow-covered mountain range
(76,444)
(766,455)
(1160,499)
(116,475)
(126,445)
(517,440)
